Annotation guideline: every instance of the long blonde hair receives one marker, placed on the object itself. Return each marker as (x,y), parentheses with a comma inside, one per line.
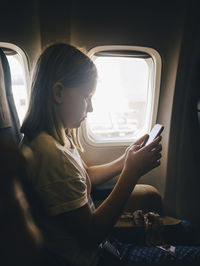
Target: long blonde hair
(63,63)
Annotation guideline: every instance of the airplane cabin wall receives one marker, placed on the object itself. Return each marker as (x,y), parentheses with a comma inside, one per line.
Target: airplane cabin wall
(19,25)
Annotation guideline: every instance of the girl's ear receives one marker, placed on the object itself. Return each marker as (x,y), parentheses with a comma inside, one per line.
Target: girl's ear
(58,92)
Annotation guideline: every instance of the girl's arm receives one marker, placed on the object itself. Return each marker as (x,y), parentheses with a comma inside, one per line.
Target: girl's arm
(92,227)
(101,173)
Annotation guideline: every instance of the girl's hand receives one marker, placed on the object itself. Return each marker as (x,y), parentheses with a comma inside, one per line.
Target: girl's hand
(138,143)
(141,160)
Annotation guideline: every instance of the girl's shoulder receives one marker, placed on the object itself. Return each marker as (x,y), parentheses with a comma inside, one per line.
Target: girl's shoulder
(43,143)
(47,150)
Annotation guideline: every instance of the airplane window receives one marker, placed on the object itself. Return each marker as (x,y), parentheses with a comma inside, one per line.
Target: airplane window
(18,84)
(126,99)
(120,101)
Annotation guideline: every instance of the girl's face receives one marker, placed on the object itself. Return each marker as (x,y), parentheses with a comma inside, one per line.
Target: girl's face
(73,105)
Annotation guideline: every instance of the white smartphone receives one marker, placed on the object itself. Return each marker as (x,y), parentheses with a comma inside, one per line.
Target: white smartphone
(155,132)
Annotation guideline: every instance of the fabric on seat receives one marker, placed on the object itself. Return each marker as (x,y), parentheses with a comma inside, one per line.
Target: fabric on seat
(9,121)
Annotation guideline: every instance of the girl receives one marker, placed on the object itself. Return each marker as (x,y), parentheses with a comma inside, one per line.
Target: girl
(63,85)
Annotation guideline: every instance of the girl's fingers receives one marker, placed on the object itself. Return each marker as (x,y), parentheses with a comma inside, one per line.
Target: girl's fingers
(158,148)
(156,164)
(153,144)
(135,147)
(157,156)
(141,140)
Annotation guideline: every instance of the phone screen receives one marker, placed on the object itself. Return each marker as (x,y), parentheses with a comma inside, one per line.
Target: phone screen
(155,132)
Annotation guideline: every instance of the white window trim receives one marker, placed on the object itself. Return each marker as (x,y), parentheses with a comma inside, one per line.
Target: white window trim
(156,77)
(24,62)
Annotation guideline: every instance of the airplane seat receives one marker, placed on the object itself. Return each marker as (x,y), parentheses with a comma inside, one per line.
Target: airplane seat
(13,241)
(21,240)
(9,121)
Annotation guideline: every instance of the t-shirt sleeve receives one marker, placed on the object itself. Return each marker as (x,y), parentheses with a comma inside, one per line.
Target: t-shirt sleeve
(60,196)
(61,186)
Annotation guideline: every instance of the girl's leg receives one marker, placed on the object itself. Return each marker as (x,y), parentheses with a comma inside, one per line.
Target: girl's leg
(135,255)
(138,255)
(131,244)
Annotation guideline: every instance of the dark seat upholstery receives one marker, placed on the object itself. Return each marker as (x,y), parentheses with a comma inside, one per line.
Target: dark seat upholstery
(9,121)
(22,241)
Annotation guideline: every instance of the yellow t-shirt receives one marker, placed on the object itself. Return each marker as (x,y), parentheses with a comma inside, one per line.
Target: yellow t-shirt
(59,181)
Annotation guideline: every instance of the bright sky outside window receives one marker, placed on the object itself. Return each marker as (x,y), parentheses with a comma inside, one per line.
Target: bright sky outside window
(18,85)
(121,99)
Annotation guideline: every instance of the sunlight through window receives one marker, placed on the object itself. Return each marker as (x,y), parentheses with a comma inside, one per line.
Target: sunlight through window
(18,85)
(120,101)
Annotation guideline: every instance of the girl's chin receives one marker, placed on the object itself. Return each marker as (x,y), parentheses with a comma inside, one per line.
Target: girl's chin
(82,120)
(76,124)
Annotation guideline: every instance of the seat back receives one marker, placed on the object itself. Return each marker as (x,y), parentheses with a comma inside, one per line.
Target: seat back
(9,121)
